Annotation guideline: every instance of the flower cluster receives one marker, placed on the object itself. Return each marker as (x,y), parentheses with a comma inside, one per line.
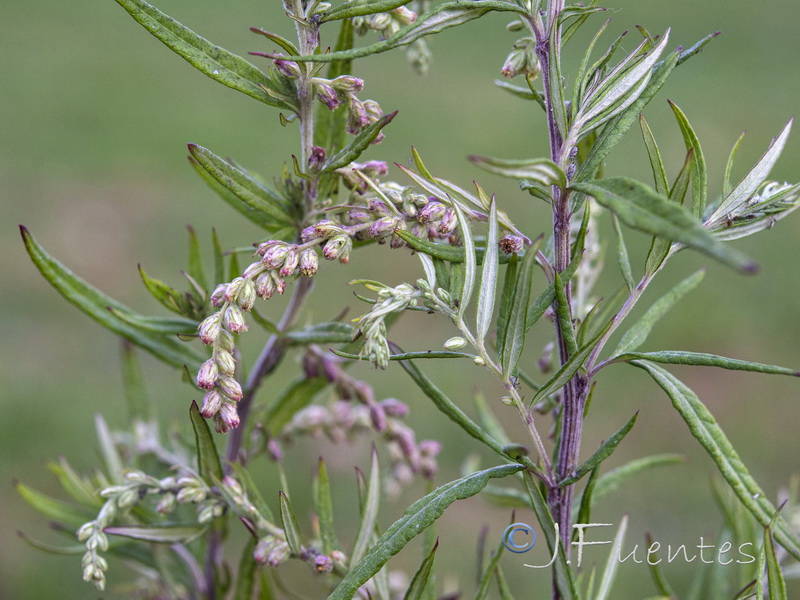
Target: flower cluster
(385,23)
(187,489)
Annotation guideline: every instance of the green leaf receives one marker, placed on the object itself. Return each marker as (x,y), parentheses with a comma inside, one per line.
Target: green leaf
(251,489)
(164,325)
(73,549)
(76,486)
(416,589)
(208,463)
(726,180)
(246,188)
(738,198)
(369,514)
(613,562)
(469,262)
(219,64)
(360,8)
(195,269)
(416,518)
(638,332)
(699,171)
(95,304)
(581,13)
(562,576)
(290,526)
(540,170)
(639,207)
(489,422)
(408,355)
(290,48)
(564,314)
(323,506)
(108,450)
(676,357)
(446,252)
(775,583)
(161,534)
(219,264)
(512,340)
(166,295)
(660,247)
(246,581)
(611,480)
(615,129)
(506,302)
(605,450)
(705,429)
(653,153)
(622,255)
(330,332)
(57,510)
(139,408)
(486,297)
(360,143)
(657,573)
(587,498)
(441,17)
(556,104)
(548,296)
(488,574)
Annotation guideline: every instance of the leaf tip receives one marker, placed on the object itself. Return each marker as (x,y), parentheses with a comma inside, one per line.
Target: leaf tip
(24,232)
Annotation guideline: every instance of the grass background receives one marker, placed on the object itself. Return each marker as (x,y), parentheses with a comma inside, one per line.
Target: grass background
(94,116)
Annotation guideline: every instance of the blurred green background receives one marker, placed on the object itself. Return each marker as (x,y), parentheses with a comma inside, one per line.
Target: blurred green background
(95,114)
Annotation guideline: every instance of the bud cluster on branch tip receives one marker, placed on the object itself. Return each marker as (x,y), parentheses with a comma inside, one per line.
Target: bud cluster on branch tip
(372,325)
(121,498)
(385,23)
(342,90)
(522,59)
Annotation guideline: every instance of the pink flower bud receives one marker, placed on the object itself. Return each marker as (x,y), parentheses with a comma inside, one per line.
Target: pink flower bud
(207,375)
(225,341)
(280,284)
(218,295)
(357,117)
(233,320)
(394,407)
(229,387)
(265,286)
(430,447)
(229,416)
(317,158)
(287,68)
(404,16)
(212,402)
(335,247)
(247,295)
(226,364)
(209,329)
(348,84)
(309,262)
(323,564)
(432,211)
(275,255)
(327,95)
(290,264)
(448,221)
(254,270)
(233,289)
(383,226)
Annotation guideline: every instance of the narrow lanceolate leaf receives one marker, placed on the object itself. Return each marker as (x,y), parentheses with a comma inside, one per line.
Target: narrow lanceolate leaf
(360,143)
(441,17)
(208,463)
(220,65)
(540,170)
(161,534)
(448,407)
(615,129)
(557,104)
(613,562)
(699,171)
(489,573)
(164,325)
(290,526)
(246,188)
(246,581)
(446,252)
(331,332)
(195,269)
(605,450)
(112,460)
(726,179)
(669,357)
(369,514)
(488,289)
(469,261)
(748,186)
(95,304)
(544,300)
(620,88)
(706,430)
(640,207)
(360,8)
(416,589)
(407,355)
(564,314)
(416,518)
(660,247)
(563,573)
(637,334)
(622,255)
(323,505)
(654,154)
(78,487)
(57,510)
(610,481)
(243,476)
(775,582)
(569,368)
(512,340)
(139,408)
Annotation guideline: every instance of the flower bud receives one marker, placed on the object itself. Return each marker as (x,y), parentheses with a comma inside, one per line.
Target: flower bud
(383,226)
(263,548)
(347,84)
(230,388)
(430,447)
(378,416)
(167,504)
(265,286)
(212,402)
(327,95)
(514,64)
(275,255)
(226,364)
(280,284)
(317,158)
(232,293)
(233,319)
(225,341)
(254,270)
(229,416)
(207,375)
(218,295)
(209,329)
(309,262)
(287,68)
(394,407)
(357,117)
(373,109)
(479,361)
(432,211)
(448,222)
(323,564)
(455,343)
(247,295)
(404,16)
(511,244)
(290,264)
(335,247)
(380,21)
(507,400)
